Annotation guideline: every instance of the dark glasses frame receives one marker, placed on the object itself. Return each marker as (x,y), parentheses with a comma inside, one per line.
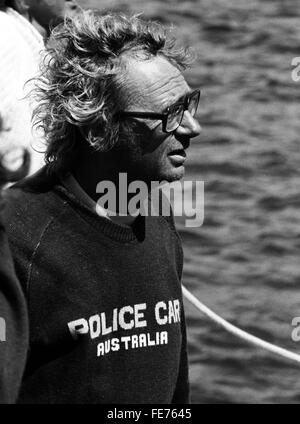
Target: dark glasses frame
(164,116)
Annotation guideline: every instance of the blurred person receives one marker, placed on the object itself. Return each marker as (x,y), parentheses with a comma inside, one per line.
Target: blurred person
(105,302)
(23,23)
(13,312)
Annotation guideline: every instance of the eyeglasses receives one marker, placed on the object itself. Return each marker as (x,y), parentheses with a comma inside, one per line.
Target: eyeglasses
(172,118)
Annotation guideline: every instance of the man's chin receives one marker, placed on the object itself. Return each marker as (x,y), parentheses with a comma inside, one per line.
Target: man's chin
(166,175)
(174,174)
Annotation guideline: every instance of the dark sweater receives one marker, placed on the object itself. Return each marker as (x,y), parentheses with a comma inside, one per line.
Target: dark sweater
(13,325)
(105,303)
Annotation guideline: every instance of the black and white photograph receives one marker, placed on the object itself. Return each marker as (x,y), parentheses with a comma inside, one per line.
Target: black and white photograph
(149,204)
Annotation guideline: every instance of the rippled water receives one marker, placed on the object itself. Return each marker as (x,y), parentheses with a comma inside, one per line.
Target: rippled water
(244,262)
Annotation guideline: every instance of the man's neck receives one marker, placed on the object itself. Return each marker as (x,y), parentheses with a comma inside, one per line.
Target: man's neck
(96,168)
(73,186)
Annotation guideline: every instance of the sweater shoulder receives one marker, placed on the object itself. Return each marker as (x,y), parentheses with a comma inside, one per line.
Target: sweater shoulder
(29,208)
(29,204)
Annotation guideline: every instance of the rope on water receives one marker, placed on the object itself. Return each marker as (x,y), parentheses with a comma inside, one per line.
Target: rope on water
(237,331)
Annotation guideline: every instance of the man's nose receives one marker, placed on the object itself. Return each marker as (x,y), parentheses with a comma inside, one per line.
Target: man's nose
(189,126)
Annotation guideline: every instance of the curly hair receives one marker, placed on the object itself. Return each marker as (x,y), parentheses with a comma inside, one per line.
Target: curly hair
(78,88)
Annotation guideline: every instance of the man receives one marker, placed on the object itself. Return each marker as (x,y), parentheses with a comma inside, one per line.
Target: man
(23,24)
(105,303)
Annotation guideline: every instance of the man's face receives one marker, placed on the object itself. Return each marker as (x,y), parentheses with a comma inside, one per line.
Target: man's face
(152,86)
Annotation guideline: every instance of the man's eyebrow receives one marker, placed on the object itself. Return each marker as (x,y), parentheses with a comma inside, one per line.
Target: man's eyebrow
(179,100)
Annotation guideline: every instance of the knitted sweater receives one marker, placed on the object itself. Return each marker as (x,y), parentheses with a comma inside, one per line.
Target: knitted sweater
(105,302)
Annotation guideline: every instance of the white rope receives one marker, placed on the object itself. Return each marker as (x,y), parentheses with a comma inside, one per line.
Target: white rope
(237,331)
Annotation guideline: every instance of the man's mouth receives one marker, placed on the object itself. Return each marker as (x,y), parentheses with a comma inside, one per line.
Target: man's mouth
(177,156)
(178,152)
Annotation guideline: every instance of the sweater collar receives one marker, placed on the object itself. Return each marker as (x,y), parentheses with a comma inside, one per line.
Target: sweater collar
(120,233)
(70,182)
